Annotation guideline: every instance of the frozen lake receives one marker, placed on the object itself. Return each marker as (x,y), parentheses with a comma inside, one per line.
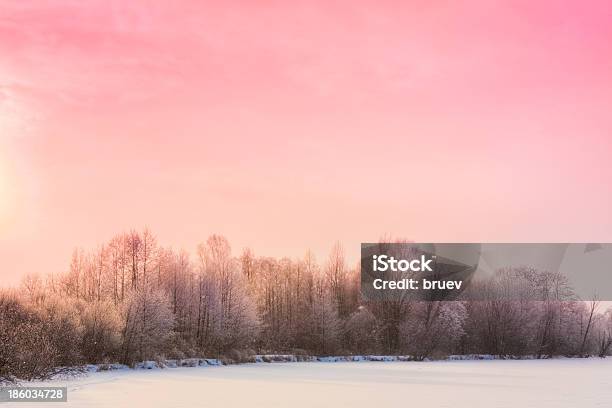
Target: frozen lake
(573,383)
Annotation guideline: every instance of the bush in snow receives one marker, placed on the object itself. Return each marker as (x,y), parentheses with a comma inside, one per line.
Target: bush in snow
(362,331)
(147,324)
(100,325)
(433,328)
(26,350)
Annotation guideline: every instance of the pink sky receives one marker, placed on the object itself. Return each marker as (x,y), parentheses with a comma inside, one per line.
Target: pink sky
(290,125)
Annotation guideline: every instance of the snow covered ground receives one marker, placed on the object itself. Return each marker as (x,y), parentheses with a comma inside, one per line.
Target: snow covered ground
(575,383)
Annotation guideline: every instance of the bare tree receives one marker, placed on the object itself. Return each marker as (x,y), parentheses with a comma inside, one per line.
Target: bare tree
(147,326)
(592,309)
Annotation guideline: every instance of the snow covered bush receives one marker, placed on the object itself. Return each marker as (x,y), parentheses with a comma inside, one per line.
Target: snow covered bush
(100,327)
(434,327)
(26,350)
(362,331)
(147,325)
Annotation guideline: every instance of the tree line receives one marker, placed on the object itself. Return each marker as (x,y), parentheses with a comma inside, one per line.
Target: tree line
(132,300)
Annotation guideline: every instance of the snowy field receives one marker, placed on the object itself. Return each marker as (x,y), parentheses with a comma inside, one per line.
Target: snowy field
(574,383)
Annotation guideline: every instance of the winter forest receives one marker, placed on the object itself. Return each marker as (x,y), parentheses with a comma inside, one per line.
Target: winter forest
(132,300)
